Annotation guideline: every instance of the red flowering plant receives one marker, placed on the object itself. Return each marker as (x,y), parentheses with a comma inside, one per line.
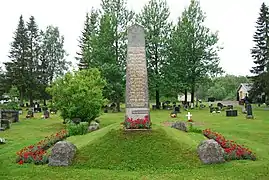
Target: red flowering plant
(232,150)
(140,123)
(37,153)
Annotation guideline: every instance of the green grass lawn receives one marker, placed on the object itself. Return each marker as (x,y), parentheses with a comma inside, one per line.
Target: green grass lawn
(163,153)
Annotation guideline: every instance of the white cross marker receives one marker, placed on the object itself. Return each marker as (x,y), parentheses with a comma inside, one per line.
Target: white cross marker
(189,115)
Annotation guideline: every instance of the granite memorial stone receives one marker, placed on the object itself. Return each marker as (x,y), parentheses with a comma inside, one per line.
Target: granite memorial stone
(137,100)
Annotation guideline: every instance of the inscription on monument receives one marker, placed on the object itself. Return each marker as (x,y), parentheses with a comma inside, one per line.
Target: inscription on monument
(137,103)
(140,112)
(137,77)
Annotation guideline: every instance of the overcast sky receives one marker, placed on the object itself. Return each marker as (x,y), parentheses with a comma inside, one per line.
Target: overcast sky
(234,19)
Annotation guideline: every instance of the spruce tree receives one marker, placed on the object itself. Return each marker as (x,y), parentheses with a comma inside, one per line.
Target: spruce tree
(260,53)
(17,69)
(85,40)
(33,61)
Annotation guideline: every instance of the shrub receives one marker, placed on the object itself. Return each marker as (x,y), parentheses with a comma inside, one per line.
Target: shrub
(77,129)
(79,95)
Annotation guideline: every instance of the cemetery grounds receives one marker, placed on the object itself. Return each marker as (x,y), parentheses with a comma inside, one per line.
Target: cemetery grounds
(164,153)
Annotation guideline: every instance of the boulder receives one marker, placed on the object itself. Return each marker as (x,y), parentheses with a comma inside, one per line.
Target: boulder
(210,152)
(180,126)
(62,154)
(93,126)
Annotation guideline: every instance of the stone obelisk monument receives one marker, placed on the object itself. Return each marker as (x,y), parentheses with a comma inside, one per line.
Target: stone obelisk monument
(137,97)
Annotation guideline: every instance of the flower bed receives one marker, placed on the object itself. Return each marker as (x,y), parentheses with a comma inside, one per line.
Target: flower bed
(37,153)
(233,151)
(143,123)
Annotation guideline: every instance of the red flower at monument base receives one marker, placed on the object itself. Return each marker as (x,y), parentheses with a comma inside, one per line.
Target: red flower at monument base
(232,150)
(140,123)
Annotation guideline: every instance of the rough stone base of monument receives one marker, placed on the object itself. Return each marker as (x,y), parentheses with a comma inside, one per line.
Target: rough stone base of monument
(137,119)
(137,113)
(249,117)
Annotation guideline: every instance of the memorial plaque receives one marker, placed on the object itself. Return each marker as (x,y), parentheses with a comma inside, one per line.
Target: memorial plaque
(137,100)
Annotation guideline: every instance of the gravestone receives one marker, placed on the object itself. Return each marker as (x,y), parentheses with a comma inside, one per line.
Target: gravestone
(11,115)
(137,100)
(46,114)
(249,111)
(231,113)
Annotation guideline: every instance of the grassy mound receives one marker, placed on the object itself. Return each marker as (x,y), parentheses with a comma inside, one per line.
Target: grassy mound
(119,150)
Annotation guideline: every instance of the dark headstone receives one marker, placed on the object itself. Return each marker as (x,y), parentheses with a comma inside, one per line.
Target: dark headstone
(177,109)
(231,113)
(26,104)
(220,105)
(4,124)
(30,114)
(46,114)
(249,111)
(211,99)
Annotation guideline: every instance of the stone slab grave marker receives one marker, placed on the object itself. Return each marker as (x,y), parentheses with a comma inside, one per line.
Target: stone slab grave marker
(137,100)
(249,111)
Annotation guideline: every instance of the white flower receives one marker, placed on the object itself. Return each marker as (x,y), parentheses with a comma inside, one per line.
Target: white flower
(2,140)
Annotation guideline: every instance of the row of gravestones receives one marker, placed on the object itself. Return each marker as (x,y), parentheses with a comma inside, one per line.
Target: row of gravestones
(230,112)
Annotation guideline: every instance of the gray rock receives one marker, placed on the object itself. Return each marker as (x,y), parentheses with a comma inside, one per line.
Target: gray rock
(62,154)
(93,126)
(180,126)
(210,152)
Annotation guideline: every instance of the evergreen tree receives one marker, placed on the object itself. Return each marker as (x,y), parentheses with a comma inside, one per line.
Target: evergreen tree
(17,69)
(85,41)
(33,61)
(154,18)
(260,53)
(120,18)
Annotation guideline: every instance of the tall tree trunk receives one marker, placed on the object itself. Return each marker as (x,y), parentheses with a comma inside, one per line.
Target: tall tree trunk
(21,95)
(44,102)
(192,93)
(31,98)
(157,99)
(186,96)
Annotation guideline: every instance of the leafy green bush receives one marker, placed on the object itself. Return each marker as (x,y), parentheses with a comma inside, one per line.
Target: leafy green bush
(77,129)
(79,94)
